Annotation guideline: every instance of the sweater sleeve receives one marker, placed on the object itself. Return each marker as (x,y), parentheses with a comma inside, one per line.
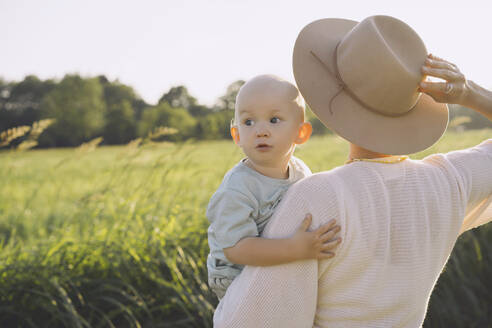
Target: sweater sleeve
(474,170)
(274,296)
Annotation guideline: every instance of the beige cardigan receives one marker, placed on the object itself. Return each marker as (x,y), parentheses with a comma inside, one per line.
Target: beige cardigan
(399,225)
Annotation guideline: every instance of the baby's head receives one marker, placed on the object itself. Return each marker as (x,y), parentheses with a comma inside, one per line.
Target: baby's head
(269,120)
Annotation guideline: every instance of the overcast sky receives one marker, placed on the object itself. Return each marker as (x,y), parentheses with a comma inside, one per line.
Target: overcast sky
(208,44)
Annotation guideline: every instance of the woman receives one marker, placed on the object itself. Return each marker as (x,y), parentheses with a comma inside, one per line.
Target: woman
(399,218)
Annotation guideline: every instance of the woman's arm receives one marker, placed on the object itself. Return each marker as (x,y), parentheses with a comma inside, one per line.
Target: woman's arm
(302,245)
(281,295)
(474,164)
(480,100)
(457,89)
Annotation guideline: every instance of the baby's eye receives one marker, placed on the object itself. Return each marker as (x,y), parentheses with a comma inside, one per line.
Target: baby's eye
(248,122)
(274,120)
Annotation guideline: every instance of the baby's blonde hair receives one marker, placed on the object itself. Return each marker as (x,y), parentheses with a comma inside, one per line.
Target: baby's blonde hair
(272,85)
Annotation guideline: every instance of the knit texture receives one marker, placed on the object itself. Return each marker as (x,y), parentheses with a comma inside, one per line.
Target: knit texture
(399,223)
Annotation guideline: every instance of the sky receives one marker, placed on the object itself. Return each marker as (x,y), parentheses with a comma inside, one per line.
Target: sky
(206,45)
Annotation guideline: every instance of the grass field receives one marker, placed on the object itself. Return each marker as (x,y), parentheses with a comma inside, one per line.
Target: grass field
(116,236)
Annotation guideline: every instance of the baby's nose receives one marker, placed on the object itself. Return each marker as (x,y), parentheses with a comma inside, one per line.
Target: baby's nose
(262,131)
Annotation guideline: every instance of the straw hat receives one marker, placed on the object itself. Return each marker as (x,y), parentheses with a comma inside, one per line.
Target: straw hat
(361,80)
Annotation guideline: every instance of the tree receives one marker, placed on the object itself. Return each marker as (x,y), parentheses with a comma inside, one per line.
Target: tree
(216,123)
(121,116)
(474,121)
(5,116)
(116,92)
(78,106)
(210,127)
(178,97)
(163,115)
(227,101)
(20,102)
(199,110)
(120,123)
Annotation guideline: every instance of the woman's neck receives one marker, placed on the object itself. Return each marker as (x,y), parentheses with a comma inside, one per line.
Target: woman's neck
(357,152)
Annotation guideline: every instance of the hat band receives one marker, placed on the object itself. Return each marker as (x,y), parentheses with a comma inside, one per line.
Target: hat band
(344,86)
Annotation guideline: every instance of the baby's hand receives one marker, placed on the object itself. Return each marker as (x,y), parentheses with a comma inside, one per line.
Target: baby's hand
(317,244)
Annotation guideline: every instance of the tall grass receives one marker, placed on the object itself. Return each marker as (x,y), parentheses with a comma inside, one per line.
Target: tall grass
(116,236)
(111,236)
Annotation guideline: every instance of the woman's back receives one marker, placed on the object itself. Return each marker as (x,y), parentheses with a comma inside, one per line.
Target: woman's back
(391,215)
(399,224)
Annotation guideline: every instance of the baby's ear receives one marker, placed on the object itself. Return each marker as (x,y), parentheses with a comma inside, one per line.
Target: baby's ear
(235,134)
(304,133)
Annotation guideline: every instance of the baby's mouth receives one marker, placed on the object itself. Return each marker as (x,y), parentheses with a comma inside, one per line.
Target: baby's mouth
(263,146)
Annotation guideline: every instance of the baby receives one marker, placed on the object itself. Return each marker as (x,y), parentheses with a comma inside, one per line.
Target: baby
(268,123)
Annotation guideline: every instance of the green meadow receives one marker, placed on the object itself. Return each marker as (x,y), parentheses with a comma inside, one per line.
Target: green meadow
(116,236)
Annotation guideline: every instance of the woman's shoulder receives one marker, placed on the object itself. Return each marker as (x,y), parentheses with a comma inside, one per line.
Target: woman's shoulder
(324,181)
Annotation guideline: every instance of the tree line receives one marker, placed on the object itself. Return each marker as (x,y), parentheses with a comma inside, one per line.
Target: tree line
(84,108)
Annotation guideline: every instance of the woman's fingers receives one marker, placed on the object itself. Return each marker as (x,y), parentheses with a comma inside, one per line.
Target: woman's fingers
(440,64)
(439,59)
(434,87)
(439,91)
(455,86)
(443,73)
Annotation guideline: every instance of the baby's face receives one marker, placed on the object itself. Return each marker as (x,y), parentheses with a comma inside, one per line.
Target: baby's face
(268,129)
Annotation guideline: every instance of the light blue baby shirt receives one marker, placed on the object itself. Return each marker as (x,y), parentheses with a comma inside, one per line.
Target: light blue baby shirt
(241,207)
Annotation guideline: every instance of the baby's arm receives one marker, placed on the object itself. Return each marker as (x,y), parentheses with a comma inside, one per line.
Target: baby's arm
(257,251)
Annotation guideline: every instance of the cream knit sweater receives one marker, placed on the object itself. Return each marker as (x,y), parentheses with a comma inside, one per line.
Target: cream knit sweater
(399,224)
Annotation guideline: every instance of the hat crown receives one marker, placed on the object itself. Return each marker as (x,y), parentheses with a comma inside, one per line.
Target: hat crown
(361,80)
(379,61)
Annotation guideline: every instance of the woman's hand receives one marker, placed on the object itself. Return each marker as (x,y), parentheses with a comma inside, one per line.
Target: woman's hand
(454,90)
(317,244)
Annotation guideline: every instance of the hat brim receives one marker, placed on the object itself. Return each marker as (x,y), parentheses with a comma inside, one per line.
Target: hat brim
(417,130)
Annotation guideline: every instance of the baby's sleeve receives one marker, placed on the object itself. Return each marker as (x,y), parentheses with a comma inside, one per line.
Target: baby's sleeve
(304,170)
(230,213)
